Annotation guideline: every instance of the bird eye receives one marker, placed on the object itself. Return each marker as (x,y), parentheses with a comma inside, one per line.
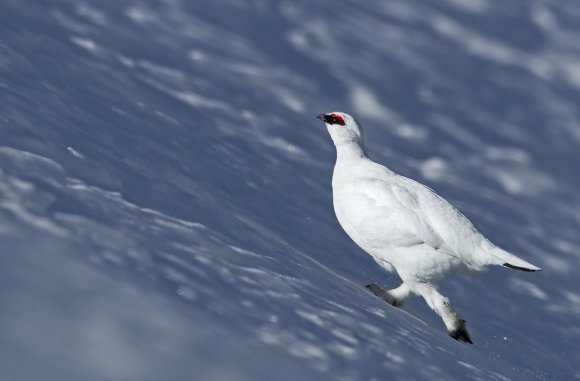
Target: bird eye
(337,119)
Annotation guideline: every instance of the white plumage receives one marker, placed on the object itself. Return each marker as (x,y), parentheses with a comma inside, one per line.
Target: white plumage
(405,226)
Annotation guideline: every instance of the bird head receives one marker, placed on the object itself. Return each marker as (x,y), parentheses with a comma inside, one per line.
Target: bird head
(342,127)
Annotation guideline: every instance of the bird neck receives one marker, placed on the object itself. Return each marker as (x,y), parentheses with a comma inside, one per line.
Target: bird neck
(350,150)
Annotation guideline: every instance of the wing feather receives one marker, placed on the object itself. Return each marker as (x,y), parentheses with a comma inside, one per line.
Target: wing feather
(386,214)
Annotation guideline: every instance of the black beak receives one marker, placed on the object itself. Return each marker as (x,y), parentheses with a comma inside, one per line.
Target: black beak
(321,117)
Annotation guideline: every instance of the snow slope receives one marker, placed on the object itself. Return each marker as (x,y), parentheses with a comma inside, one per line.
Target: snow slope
(165,205)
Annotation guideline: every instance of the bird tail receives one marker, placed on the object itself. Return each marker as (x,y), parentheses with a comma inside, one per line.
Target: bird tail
(505,259)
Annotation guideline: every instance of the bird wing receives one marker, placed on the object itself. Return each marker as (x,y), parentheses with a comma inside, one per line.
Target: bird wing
(457,233)
(384,213)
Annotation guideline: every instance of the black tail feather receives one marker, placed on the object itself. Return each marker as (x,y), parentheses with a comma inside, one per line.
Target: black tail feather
(519,268)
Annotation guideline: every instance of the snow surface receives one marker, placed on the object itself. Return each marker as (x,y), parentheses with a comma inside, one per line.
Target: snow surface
(165,204)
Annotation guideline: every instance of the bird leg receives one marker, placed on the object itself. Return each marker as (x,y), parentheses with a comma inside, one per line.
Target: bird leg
(395,296)
(440,304)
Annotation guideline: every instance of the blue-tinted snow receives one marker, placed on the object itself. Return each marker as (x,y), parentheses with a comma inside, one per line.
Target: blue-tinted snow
(165,206)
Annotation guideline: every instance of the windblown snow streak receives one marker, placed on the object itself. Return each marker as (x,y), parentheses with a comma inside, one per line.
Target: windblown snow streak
(165,205)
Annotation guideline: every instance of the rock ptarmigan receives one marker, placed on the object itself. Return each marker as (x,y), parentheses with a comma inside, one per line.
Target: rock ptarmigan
(405,226)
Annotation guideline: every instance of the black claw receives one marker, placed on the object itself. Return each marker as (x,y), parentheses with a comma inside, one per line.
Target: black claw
(461,334)
(374,288)
(382,294)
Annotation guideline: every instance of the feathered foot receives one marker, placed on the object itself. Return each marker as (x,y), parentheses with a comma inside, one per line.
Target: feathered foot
(460,333)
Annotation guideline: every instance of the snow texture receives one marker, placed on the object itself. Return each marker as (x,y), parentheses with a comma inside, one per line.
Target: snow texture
(165,197)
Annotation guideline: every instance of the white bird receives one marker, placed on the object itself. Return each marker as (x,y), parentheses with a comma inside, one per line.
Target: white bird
(405,226)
